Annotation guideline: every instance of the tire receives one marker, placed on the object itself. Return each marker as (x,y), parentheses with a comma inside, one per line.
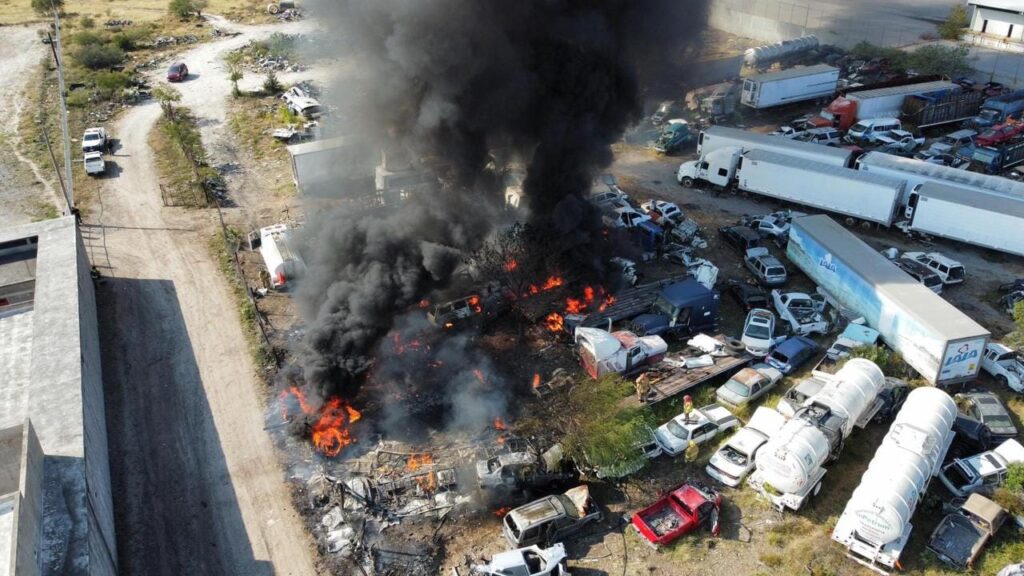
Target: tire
(816,489)
(734,346)
(1003,381)
(687,182)
(273,8)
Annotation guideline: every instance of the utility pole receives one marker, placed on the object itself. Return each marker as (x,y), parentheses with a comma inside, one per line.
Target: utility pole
(58,56)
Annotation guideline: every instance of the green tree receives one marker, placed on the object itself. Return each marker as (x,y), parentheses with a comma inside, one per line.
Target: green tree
(272,86)
(234,62)
(46,7)
(939,59)
(185,9)
(167,97)
(953,26)
(98,56)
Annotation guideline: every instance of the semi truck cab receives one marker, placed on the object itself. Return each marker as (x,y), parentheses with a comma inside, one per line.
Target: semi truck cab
(717,167)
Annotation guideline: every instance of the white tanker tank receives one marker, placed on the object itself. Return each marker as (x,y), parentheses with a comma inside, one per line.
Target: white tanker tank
(789,467)
(768,53)
(875,526)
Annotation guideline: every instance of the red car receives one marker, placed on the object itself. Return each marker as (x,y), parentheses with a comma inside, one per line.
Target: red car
(679,512)
(999,134)
(177,72)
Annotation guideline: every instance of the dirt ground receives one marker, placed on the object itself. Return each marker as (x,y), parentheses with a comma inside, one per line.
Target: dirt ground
(197,484)
(25,190)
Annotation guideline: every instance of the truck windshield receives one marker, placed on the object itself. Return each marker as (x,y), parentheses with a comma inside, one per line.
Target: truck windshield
(989,114)
(859,127)
(663,306)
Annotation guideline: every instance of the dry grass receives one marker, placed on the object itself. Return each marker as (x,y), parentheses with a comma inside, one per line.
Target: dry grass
(251,120)
(20,11)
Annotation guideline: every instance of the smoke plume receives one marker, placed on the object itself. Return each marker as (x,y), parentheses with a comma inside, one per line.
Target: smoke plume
(550,84)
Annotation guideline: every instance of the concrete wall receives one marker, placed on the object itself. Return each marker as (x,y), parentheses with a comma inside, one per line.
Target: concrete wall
(998,24)
(102,543)
(31,506)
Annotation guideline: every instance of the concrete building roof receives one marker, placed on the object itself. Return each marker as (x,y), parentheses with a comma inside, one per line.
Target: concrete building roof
(50,373)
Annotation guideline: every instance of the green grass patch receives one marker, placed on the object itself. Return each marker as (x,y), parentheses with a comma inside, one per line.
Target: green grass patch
(179,181)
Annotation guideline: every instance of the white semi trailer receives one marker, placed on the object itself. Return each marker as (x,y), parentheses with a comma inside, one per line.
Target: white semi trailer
(790,467)
(875,526)
(797,84)
(916,172)
(811,183)
(940,342)
(972,216)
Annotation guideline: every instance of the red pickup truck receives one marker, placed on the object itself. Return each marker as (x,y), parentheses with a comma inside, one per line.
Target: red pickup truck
(679,512)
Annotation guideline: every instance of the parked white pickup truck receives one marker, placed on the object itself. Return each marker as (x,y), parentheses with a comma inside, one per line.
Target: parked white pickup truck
(1005,365)
(94,163)
(804,314)
(94,140)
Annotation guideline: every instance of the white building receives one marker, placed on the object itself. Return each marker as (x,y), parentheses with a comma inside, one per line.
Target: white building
(997,24)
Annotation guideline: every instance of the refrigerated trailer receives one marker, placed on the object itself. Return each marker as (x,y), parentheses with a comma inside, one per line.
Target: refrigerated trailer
(940,342)
(798,84)
(917,172)
(717,137)
(832,188)
(974,217)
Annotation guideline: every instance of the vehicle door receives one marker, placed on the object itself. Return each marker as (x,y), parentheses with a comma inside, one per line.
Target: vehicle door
(756,389)
(531,536)
(704,432)
(624,220)
(634,357)
(988,359)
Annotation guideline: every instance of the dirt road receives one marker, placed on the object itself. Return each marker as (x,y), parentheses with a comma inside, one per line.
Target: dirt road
(24,185)
(197,486)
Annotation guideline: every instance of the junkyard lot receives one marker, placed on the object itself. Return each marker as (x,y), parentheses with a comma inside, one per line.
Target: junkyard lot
(755,538)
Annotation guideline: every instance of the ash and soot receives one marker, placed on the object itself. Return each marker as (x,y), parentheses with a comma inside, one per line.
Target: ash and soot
(475,87)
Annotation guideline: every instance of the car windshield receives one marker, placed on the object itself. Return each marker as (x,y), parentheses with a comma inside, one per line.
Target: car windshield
(175,68)
(676,430)
(733,455)
(859,127)
(999,421)
(777,271)
(737,388)
(757,331)
(780,357)
(956,273)
(989,134)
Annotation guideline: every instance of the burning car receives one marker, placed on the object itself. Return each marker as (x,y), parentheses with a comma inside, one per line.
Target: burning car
(524,468)
(622,352)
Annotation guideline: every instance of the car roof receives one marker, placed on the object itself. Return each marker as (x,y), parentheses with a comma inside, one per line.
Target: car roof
(795,344)
(538,511)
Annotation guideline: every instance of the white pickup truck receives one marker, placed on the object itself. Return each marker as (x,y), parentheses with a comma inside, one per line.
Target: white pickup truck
(602,352)
(1005,365)
(94,140)
(94,163)
(804,313)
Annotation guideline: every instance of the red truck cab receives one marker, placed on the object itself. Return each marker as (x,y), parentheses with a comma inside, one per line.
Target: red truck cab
(679,512)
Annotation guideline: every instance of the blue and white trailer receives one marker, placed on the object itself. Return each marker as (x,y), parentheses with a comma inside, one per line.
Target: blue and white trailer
(938,341)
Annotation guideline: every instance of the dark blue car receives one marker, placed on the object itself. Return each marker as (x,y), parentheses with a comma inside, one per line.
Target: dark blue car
(789,355)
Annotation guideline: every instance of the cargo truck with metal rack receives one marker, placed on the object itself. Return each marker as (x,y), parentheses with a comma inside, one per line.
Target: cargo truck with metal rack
(790,466)
(938,108)
(860,195)
(916,172)
(997,109)
(845,111)
(937,340)
(974,217)
(875,525)
(995,159)
(798,84)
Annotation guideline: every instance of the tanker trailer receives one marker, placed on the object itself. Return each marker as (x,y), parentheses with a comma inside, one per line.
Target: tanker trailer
(875,526)
(790,466)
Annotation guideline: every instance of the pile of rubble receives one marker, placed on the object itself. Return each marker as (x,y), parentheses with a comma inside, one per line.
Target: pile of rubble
(277,64)
(164,41)
(289,15)
(117,23)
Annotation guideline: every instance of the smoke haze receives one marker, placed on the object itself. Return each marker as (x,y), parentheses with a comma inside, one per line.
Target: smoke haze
(548,83)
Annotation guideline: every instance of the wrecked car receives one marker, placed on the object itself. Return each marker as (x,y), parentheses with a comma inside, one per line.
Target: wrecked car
(551,519)
(524,468)
(961,536)
(679,512)
(528,561)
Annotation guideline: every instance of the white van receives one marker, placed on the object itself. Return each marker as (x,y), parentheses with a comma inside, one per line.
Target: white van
(869,130)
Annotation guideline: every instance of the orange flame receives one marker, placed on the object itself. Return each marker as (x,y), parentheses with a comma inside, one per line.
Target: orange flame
(448,324)
(574,305)
(552,282)
(417,461)
(499,424)
(502,511)
(608,301)
(536,381)
(554,322)
(330,431)
(474,303)
(511,265)
(424,303)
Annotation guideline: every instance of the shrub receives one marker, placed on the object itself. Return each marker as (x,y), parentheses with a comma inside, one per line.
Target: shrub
(938,59)
(110,83)
(86,39)
(86,22)
(99,56)
(77,99)
(1015,477)
(953,26)
(123,42)
(45,7)
(272,86)
(185,9)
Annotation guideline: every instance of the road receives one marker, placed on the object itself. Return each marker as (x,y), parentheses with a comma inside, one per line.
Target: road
(24,186)
(197,486)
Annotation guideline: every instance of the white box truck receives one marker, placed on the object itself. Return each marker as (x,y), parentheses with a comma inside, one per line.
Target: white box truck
(940,342)
(832,188)
(716,137)
(971,216)
(283,263)
(797,84)
(917,172)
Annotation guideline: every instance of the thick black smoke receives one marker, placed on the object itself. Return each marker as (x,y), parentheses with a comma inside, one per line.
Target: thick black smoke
(552,83)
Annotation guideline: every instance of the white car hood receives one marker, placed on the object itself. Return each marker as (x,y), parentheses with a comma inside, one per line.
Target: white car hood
(668,439)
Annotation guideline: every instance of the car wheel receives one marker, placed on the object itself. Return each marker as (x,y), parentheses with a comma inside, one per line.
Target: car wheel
(687,182)
(1003,381)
